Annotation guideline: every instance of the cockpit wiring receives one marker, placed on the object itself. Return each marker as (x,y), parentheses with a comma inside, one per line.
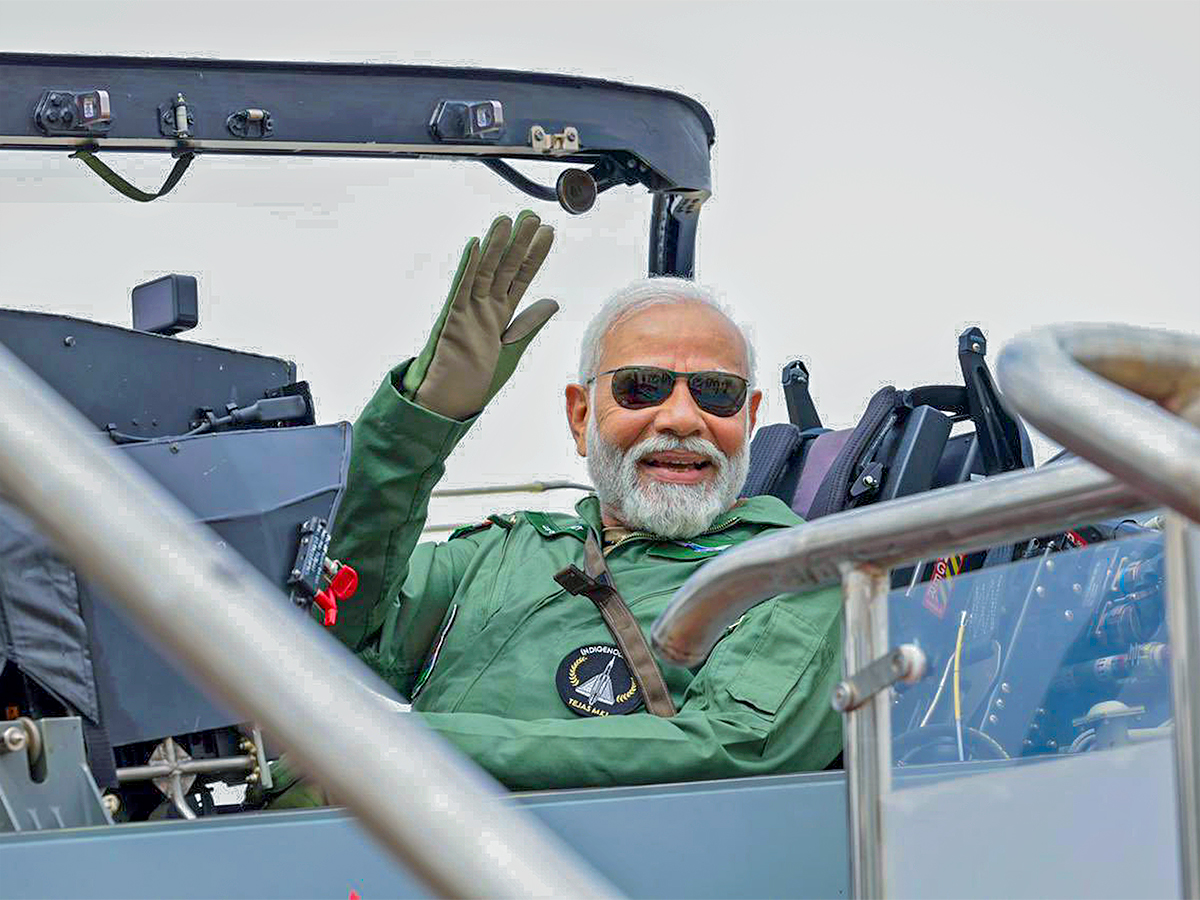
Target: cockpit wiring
(962,626)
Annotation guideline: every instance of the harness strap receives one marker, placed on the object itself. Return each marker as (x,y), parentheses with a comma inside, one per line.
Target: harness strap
(119,184)
(771,452)
(834,493)
(597,586)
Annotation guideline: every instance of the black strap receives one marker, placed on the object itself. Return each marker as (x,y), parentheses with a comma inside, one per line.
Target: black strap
(100,756)
(951,398)
(771,451)
(119,184)
(833,494)
(597,586)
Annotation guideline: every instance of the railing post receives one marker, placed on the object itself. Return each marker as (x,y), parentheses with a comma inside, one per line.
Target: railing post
(1183,623)
(867,728)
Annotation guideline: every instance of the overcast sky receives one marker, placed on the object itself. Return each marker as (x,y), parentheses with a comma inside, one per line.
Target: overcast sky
(885,174)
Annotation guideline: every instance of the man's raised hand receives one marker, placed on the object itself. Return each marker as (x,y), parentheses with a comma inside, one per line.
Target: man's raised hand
(476,341)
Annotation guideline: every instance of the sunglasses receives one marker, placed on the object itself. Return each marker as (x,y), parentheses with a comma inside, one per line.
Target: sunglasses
(640,387)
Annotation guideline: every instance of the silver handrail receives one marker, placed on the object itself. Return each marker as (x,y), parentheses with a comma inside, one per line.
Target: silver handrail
(858,547)
(1150,455)
(436,811)
(954,519)
(525,487)
(1143,386)
(1125,398)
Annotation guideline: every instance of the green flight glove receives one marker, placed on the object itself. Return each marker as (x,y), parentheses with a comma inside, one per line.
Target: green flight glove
(476,342)
(288,790)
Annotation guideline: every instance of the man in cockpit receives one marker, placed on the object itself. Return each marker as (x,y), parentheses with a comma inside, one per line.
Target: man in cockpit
(534,669)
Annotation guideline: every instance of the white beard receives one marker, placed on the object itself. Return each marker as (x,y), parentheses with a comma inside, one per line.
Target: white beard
(657,507)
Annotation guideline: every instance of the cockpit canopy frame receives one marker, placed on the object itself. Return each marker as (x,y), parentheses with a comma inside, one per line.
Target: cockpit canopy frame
(625,134)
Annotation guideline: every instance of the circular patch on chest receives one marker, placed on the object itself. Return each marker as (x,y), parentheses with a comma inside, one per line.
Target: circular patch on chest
(595,681)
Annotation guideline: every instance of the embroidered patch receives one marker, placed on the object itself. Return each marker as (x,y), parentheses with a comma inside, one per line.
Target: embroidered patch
(596,681)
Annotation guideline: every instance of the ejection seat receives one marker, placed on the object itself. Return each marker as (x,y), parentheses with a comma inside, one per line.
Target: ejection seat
(902,444)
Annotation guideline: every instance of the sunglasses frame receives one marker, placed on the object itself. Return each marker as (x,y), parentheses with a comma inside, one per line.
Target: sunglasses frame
(675,376)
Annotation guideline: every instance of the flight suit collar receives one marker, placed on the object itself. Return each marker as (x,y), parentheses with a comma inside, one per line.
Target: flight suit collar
(762,511)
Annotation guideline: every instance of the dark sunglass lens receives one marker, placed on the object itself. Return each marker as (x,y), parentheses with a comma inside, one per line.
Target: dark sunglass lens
(638,387)
(718,393)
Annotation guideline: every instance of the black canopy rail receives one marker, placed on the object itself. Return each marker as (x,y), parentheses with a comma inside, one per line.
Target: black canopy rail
(622,134)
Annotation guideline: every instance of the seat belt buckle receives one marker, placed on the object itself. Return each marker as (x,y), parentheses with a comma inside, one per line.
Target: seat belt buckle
(574,581)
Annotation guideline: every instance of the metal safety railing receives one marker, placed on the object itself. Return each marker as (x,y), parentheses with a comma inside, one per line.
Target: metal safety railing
(525,487)
(231,628)
(1128,399)
(1149,454)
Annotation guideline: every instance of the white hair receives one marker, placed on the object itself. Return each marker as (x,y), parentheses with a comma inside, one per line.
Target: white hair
(639,295)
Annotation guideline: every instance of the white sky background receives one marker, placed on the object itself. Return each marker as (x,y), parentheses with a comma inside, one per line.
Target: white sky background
(885,174)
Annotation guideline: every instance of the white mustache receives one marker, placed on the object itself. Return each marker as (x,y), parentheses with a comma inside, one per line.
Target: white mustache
(661,443)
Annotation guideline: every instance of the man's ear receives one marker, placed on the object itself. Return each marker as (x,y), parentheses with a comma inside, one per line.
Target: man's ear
(755,399)
(577,414)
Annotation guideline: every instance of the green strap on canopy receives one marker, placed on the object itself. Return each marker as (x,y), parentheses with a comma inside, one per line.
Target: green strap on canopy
(119,184)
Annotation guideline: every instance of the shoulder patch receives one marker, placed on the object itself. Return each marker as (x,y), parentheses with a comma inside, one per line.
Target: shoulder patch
(546,526)
(468,529)
(505,522)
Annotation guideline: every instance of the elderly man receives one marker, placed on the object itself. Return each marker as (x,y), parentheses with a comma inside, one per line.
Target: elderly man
(508,637)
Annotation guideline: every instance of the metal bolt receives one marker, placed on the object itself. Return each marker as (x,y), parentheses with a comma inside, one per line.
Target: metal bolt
(252,778)
(993,718)
(112,803)
(1040,591)
(1027,743)
(14,739)
(1039,712)
(976,347)
(174,448)
(1005,687)
(1049,565)
(295,573)
(843,696)
(69,341)
(869,480)
(1068,615)
(999,703)
(1077,588)
(1052,744)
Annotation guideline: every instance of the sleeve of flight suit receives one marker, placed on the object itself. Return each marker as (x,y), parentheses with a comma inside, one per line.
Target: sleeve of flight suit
(397,456)
(759,705)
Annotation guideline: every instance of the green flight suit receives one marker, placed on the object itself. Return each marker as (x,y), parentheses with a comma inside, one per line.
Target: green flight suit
(474,629)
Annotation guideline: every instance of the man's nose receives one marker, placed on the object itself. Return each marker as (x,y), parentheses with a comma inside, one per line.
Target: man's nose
(679,414)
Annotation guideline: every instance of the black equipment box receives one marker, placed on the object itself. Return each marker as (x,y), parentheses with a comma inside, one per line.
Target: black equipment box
(147,385)
(253,488)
